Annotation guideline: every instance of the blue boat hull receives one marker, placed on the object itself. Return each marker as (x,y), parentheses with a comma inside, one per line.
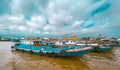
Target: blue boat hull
(49,51)
(101,49)
(80,53)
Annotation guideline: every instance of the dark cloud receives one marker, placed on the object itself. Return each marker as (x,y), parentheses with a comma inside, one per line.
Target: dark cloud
(28,7)
(100,9)
(4,7)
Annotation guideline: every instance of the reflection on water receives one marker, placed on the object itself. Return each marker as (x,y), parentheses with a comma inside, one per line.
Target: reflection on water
(16,60)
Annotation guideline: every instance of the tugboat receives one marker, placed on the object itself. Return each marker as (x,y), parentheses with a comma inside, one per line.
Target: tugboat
(48,48)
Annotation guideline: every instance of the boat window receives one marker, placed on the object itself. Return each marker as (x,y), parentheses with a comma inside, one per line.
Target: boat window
(82,42)
(74,41)
(36,42)
(40,41)
(46,43)
(113,42)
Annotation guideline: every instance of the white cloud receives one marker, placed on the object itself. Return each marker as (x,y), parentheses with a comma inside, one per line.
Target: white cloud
(37,22)
(77,24)
(22,28)
(56,17)
(13,27)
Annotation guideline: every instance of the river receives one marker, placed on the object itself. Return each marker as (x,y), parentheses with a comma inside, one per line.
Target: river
(16,60)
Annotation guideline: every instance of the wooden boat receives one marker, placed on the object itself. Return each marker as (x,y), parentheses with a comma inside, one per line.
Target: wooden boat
(48,48)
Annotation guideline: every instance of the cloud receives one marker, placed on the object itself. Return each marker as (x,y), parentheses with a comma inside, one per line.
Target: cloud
(101,9)
(77,23)
(4,7)
(37,22)
(28,7)
(59,18)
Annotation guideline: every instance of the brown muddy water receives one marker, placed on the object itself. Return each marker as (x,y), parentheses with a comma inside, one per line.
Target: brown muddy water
(16,60)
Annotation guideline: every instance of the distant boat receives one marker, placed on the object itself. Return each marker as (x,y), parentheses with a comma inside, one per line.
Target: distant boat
(48,48)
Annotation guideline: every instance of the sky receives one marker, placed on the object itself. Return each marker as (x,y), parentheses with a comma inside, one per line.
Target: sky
(59,18)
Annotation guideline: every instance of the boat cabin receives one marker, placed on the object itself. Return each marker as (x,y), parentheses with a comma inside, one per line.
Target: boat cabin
(109,41)
(59,43)
(70,42)
(35,42)
(81,43)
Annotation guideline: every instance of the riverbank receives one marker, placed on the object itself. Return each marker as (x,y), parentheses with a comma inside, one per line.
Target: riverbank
(16,60)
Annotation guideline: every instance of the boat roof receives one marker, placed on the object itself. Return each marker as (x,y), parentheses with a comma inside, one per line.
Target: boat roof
(32,39)
(108,39)
(59,41)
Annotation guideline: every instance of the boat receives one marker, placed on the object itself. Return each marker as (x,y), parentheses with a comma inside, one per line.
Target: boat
(111,42)
(48,48)
(105,44)
(118,42)
(96,46)
(100,48)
